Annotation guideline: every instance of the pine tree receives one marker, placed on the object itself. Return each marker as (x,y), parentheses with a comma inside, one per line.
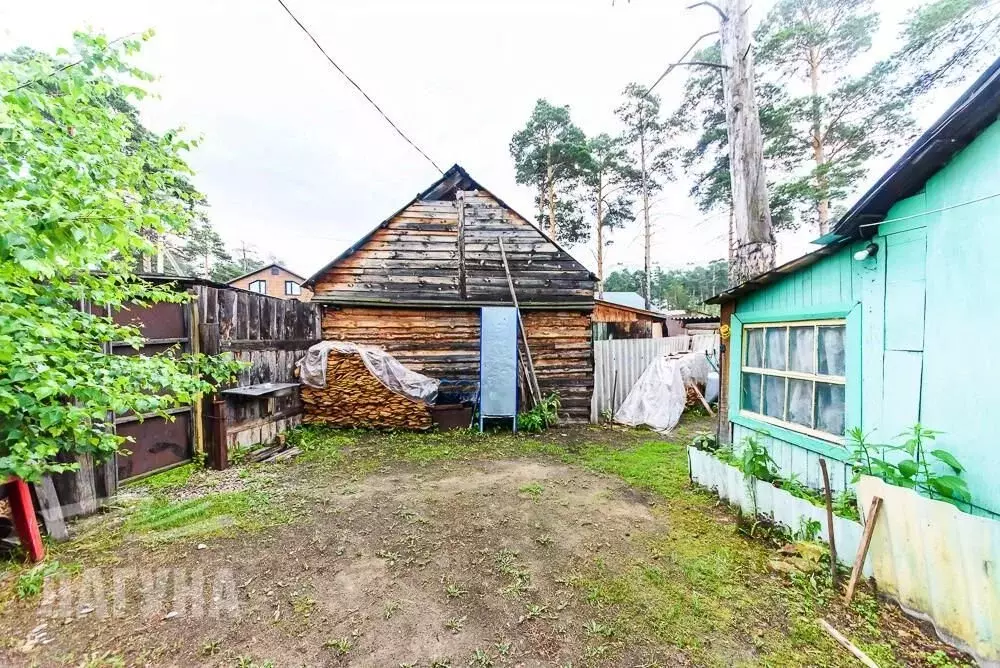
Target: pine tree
(608,182)
(547,154)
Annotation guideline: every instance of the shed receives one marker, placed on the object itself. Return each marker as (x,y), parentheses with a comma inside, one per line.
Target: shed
(622,315)
(414,285)
(889,323)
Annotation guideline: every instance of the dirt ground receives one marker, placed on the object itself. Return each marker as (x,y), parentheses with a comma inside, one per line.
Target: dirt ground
(380,550)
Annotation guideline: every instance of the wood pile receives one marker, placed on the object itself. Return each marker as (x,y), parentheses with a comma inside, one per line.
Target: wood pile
(353,397)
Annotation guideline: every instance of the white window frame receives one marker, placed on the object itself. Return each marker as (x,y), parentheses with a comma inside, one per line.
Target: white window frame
(295,292)
(262,282)
(794,375)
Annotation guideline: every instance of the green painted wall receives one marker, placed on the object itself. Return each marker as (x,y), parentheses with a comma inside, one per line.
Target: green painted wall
(921,319)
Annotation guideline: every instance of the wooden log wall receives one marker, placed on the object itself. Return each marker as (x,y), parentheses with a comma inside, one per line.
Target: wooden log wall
(269,333)
(444,344)
(446,252)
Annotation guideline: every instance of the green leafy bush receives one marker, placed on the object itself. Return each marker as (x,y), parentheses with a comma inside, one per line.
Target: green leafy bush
(544,414)
(912,467)
(85,191)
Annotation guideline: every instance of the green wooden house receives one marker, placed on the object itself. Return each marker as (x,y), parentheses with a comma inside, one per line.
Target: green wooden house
(891,322)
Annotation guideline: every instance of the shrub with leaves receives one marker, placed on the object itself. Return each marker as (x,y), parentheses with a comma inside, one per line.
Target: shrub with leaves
(84,192)
(542,416)
(912,466)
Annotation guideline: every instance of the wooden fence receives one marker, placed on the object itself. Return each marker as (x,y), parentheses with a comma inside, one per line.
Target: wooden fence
(619,363)
(267,332)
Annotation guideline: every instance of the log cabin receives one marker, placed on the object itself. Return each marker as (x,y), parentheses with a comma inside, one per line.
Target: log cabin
(414,286)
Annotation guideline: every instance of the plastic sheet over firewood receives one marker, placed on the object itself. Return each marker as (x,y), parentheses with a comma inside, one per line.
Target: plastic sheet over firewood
(658,398)
(383,366)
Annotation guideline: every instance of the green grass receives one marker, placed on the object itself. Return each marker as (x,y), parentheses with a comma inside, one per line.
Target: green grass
(175,478)
(221,513)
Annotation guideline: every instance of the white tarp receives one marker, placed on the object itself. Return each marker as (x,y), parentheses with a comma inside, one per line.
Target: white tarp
(386,368)
(657,399)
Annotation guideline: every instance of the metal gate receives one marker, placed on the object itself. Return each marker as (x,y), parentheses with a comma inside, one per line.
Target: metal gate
(157,442)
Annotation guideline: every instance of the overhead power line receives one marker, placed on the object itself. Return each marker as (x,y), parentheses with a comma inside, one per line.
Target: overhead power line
(355,84)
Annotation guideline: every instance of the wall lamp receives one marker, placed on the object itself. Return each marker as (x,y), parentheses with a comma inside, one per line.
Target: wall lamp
(871,250)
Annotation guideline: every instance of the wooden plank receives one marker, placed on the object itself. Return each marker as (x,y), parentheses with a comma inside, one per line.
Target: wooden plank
(227,314)
(51,509)
(866,541)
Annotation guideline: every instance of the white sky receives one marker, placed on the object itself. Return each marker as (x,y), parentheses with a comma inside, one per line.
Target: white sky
(294,161)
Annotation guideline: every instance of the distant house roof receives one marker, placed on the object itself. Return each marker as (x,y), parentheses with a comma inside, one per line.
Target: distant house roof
(266,266)
(631,299)
(972,113)
(628,307)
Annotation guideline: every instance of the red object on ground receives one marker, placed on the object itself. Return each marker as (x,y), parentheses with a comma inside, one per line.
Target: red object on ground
(22,510)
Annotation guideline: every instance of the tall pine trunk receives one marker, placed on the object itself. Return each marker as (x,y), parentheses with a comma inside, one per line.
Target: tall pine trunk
(600,238)
(646,228)
(551,194)
(819,150)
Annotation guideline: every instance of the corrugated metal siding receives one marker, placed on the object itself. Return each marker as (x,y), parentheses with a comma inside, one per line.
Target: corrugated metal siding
(730,484)
(628,358)
(939,562)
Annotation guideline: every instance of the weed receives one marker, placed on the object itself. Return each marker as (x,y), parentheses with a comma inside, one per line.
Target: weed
(441,663)
(597,652)
(532,611)
(809,530)
(303,605)
(250,662)
(210,648)
(455,591)
(102,660)
(544,414)
(339,645)
(544,540)
(520,577)
(532,489)
(941,660)
(595,628)
(391,608)
(481,659)
(175,478)
(30,583)
(503,647)
(455,624)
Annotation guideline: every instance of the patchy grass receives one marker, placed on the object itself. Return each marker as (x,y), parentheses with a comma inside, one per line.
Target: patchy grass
(678,582)
(223,513)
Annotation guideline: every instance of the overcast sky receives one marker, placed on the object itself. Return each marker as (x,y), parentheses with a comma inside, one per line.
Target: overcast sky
(294,161)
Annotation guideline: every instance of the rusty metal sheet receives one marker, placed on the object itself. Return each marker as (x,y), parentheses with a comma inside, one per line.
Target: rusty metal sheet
(162,320)
(158,443)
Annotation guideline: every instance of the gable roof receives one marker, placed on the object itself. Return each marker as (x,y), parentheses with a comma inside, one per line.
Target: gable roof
(974,111)
(453,180)
(266,266)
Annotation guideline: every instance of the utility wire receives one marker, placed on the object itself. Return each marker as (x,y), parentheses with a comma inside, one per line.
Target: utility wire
(354,83)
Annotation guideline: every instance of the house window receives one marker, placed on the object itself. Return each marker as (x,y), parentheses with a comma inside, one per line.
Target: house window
(793,375)
(260,287)
(292,288)
(275,271)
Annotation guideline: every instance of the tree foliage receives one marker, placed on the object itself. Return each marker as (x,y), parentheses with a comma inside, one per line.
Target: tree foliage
(674,288)
(548,153)
(826,110)
(83,190)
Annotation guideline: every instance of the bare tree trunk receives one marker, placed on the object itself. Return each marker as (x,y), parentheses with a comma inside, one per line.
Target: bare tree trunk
(551,187)
(600,242)
(647,229)
(819,150)
(754,248)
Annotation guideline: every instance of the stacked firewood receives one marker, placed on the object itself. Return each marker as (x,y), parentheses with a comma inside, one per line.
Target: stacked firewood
(353,397)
